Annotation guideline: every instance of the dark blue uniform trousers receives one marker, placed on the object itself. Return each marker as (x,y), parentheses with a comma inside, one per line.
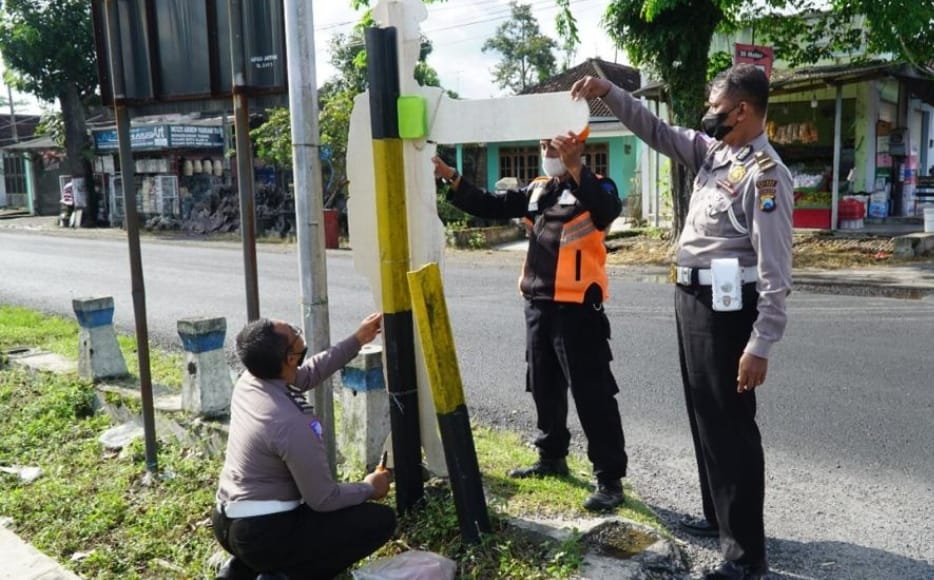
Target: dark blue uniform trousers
(567,345)
(727,443)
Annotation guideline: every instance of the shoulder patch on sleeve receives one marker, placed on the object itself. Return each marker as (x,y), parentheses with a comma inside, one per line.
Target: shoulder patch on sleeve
(766,190)
(608,185)
(764,161)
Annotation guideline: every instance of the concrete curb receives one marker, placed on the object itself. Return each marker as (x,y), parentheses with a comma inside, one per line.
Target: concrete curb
(654,557)
(23,562)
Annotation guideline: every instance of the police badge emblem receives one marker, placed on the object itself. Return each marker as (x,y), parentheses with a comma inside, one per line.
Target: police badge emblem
(767,202)
(737,173)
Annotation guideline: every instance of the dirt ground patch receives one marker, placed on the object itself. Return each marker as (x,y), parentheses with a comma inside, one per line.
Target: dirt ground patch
(811,250)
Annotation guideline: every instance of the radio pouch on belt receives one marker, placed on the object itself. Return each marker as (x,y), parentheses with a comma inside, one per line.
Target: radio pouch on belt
(726,284)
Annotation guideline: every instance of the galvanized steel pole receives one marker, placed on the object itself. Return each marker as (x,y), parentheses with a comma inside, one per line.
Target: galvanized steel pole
(309,198)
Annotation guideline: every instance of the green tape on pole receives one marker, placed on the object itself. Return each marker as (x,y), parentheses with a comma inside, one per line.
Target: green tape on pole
(413,117)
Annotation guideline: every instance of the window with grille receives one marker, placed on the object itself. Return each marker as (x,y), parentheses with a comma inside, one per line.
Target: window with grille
(597,158)
(14,174)
(523,162)
(519,162)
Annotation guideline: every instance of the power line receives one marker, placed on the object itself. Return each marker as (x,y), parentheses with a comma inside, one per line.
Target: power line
(501,12)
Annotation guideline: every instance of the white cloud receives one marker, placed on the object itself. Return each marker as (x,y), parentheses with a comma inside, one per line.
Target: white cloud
(458,28)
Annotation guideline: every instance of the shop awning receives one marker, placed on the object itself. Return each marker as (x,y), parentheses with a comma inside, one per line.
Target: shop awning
(40,143)
(918,79)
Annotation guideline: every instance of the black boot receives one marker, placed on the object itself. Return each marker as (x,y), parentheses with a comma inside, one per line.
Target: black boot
(544,467)
(235,569)
(607,496)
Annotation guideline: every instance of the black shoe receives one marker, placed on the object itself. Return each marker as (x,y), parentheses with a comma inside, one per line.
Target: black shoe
(728,570)
(607,496)
(235,569)
(698,527)
(544,467)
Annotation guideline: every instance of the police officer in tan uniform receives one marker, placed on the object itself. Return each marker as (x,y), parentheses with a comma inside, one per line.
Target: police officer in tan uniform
(733,270)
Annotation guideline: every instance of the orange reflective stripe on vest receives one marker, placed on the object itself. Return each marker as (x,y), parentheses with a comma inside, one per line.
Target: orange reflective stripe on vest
(581,260)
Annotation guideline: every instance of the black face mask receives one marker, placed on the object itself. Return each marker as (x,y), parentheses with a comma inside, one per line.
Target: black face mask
(714,125)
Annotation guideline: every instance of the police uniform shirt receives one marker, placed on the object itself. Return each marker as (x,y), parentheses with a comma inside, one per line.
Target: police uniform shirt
(740,207)
(275,446)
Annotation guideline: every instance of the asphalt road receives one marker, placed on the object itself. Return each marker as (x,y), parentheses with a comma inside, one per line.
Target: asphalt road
(846,414)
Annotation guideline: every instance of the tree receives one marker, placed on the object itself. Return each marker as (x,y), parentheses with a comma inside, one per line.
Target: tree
(672,37)
(527,57)
(273,139)
(48,48)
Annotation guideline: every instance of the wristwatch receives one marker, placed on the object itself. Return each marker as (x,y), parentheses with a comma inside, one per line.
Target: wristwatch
(453,177)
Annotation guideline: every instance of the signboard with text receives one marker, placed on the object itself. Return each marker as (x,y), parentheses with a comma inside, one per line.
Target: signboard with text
(760,56)
(163,137)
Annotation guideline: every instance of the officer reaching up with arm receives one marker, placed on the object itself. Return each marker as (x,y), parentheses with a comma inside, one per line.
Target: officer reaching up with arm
(733,270)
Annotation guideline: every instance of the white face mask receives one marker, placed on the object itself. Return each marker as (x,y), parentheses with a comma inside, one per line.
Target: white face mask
(553,166)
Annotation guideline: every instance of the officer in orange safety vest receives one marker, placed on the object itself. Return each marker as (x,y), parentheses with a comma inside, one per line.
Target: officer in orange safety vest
(564,283)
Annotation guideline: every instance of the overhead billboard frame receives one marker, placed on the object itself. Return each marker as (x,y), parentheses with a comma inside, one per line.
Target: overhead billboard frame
(179,51)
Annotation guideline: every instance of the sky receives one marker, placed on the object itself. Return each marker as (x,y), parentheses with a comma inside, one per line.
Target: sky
(458,29)
(23,103)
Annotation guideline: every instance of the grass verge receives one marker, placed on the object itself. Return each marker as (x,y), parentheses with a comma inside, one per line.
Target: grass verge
(103,517)
(22,327)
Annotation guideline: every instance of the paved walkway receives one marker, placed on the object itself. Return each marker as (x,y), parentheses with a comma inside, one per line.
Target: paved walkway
(23,562)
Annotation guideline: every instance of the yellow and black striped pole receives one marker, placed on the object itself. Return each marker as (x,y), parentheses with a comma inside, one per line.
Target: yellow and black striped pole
(393,237)
(434,327)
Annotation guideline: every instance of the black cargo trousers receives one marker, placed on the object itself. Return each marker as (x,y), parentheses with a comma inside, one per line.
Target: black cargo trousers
(567,346)
(727,443)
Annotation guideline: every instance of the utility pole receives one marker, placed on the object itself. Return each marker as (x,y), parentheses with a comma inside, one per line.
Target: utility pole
(9,92)
(309,198)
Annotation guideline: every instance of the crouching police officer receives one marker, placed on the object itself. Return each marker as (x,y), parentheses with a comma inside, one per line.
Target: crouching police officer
(733,275)
(564,283)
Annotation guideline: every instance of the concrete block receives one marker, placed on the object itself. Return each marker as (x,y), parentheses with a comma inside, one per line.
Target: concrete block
(99,355)
(365,408)
(911,245)
(206,384)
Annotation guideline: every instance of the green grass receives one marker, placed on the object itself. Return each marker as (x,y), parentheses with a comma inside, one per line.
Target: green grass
(21,327)
(96,507)
(500,451)
(99,514)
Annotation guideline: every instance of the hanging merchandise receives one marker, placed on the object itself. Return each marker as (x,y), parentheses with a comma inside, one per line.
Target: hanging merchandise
(790,133)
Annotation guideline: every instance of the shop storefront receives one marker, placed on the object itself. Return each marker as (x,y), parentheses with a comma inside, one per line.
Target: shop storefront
(856,139)
(177,166)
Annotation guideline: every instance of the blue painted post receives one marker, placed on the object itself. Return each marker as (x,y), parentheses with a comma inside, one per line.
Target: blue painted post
(206,384)
(365,423)
(99,355)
